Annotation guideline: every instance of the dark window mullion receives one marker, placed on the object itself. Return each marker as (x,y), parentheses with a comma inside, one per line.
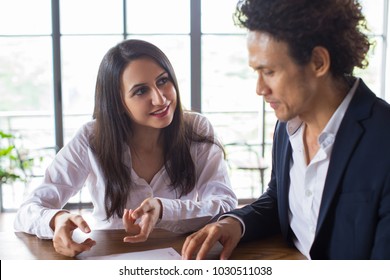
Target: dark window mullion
(56,39)
(196,82)
(124,19)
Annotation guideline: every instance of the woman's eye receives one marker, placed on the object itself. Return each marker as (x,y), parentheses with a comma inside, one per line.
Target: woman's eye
(162,81)
(141,91)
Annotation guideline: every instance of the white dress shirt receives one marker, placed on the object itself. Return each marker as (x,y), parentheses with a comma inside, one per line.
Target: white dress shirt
(307,181)
(76,165)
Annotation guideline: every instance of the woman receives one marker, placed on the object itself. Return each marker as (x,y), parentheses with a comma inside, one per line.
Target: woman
(140,152)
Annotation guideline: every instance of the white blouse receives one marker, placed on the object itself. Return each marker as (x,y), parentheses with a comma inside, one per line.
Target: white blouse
(76,165)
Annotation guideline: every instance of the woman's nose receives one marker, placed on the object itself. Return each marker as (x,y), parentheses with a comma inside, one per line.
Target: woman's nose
(158,97)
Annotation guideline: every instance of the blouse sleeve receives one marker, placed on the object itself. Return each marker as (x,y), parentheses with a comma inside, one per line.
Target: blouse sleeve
(214,194)
(63,179)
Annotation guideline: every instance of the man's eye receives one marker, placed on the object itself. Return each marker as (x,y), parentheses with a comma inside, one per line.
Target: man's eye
(268,72)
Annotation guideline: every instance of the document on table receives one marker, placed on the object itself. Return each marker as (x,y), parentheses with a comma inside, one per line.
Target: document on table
(157,254)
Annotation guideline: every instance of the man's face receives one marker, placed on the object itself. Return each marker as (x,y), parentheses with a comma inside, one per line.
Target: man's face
(289,88)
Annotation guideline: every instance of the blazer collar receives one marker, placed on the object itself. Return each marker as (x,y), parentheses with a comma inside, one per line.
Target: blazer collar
(347,138)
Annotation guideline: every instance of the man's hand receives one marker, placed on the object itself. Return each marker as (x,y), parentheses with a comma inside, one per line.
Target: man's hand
(63,224)
(227,231)
(149,212)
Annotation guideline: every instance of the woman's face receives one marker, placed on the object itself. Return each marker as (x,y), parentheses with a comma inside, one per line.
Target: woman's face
(148,93)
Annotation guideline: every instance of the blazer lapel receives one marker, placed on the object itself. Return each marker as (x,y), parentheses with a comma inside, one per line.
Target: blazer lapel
(347,138)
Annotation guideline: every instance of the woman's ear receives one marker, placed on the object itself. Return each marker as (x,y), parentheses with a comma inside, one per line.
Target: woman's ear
(320,61)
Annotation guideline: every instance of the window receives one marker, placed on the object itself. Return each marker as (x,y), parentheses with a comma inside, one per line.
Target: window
(207,51)
(378,23)
(228,91)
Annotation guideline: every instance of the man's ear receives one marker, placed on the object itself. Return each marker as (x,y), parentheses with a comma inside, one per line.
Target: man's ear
(320,61)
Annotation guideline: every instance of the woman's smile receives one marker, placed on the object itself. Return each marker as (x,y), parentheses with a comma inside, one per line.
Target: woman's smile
(161,113)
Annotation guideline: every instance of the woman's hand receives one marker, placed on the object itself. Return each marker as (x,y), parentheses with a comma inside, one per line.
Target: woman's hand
(63,224)
(149,212)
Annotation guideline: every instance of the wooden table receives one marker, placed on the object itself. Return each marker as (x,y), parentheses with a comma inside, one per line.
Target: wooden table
(24,246)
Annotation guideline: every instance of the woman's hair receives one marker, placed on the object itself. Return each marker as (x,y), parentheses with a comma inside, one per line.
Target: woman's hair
(113,128)
(336,25)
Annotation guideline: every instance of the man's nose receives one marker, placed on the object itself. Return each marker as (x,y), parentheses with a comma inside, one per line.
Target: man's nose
(261,87)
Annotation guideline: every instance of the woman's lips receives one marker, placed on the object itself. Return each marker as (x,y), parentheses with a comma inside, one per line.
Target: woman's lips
(161,113)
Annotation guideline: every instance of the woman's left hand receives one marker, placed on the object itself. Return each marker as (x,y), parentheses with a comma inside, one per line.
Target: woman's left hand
(149,212)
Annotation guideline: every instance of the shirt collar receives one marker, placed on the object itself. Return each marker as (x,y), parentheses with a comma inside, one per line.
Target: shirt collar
(293,125)
(328,135)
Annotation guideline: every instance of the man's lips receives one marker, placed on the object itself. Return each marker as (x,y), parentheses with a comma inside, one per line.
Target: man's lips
(272,103)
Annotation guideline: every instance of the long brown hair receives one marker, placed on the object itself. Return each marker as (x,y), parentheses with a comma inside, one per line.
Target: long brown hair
(113,127)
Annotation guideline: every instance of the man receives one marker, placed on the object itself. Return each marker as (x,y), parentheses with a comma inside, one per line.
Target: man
(329,192)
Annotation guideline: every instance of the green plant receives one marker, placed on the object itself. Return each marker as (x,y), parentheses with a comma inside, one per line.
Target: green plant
(14,162)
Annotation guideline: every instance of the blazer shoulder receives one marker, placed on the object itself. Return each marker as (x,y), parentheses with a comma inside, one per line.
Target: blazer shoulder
(365,104)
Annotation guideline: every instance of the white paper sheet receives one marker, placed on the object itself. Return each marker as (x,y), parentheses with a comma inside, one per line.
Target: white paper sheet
(158,254)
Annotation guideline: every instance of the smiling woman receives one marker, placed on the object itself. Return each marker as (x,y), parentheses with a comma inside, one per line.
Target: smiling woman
(149,94)
(146,162)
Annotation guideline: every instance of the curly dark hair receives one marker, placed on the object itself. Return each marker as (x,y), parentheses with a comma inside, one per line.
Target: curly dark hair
(337,25)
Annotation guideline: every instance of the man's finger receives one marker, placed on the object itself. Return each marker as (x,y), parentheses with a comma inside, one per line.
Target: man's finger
(227,250)
(212,237)
(192,243)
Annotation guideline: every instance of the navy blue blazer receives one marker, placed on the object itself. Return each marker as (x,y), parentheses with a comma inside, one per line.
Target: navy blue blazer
(354,216)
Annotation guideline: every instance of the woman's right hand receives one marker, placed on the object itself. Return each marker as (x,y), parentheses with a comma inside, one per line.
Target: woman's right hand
(63,224)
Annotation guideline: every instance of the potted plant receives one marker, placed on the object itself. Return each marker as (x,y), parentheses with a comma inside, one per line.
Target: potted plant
(14,165)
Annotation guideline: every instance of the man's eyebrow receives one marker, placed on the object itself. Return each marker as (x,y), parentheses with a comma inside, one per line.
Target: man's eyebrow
(258,67)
